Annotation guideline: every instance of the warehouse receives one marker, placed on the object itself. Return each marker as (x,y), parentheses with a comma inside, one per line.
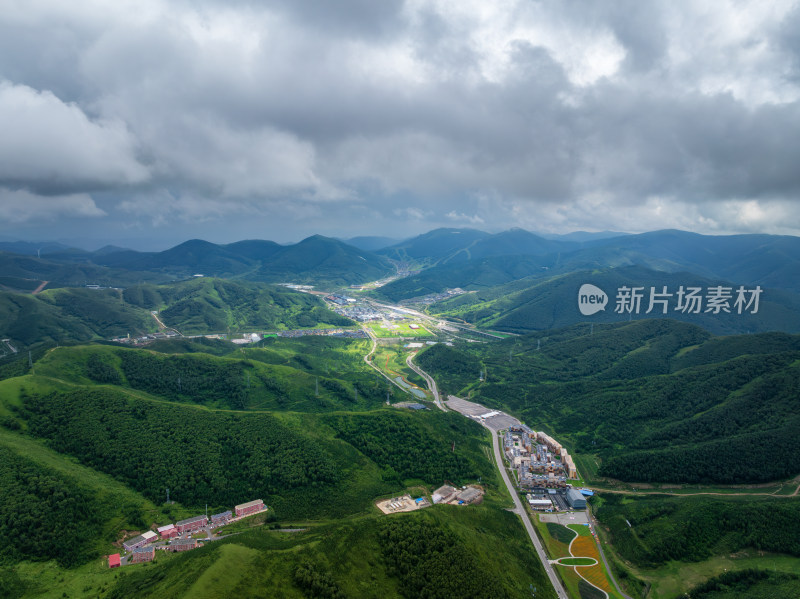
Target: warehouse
(443,494)
(469,495)
(576,500)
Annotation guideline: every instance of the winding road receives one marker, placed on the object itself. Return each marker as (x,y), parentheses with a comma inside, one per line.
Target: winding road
(519,509)
(428,379)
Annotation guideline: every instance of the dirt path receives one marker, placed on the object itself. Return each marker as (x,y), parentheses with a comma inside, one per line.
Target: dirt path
(40,287)
(692,493)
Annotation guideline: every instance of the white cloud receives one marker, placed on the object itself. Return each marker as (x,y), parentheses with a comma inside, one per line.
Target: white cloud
(565,115)
(47,144)
(21,206)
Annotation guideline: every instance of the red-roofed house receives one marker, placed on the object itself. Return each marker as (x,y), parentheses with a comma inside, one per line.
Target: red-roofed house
(113,561)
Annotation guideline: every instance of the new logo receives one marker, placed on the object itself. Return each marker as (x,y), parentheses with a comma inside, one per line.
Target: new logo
(591,299)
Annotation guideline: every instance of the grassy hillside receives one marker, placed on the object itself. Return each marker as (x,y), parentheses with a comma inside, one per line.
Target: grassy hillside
(336,378)
(708,546)
(472,275)
(55,509)
(216,305)
(440,552)
(648,398)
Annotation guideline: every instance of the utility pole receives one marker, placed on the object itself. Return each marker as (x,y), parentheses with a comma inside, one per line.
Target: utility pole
(179,384)
(167,494)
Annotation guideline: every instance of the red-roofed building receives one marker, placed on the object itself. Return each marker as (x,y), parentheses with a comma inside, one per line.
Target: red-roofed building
(167,532)
(114,561)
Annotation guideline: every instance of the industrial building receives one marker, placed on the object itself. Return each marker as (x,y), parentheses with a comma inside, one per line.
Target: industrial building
(251,507)
(576,500)
(443,494)
(469,495)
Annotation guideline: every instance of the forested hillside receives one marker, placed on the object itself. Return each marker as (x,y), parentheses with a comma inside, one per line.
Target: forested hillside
(658,401)
(333,378)
(221,457)
(197,306)
(650,531)
(540,303)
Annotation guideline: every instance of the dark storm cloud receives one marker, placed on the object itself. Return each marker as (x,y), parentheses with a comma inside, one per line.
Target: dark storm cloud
(560,115)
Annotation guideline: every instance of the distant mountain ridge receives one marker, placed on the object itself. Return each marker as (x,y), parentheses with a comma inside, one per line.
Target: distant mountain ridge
(456,254)
(316,259)
(538,304)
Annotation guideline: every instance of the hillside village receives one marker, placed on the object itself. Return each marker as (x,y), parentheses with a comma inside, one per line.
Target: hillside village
(177,537)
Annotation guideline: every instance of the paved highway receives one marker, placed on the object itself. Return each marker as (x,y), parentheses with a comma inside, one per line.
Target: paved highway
(520,510)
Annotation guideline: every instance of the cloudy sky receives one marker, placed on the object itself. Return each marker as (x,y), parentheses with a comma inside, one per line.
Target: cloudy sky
(151,122)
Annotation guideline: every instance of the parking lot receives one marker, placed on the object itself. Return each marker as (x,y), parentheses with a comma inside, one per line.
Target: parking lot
(474,410)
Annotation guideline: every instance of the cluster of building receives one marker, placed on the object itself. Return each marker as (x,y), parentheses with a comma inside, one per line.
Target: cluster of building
(351,333)
(340,300)
(145,339)
(359,312)
(548,500)
(463,496)
(402,504)
(142,550)
(432,298)
(540,460)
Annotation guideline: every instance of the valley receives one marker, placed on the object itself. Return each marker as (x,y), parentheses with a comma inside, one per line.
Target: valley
(327,400)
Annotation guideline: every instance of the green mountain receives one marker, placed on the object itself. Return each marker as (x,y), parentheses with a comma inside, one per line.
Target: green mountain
(434,246)
(197,306)
(319,258)
(69,273)
(205,305)
(653,400)
(371,243)
(474,260)
(472,275)
(538,304)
